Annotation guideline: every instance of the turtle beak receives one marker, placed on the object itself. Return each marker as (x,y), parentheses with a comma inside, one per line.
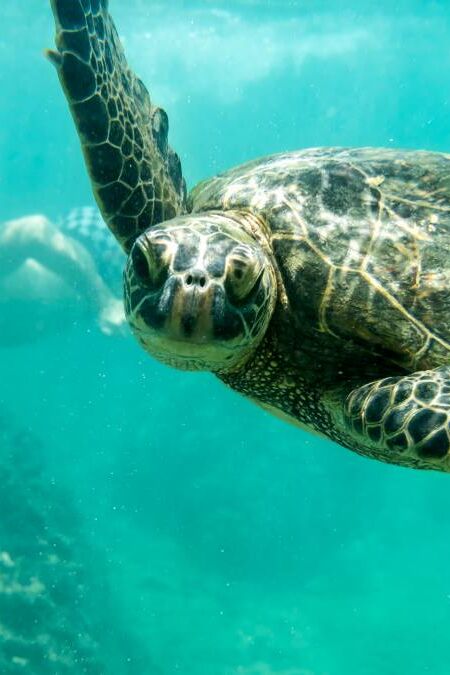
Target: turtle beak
(190,316)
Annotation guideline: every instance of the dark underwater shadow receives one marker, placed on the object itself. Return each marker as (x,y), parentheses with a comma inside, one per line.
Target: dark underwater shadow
(57,613)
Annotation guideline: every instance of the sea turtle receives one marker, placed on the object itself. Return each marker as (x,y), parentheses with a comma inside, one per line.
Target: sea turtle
(316,283)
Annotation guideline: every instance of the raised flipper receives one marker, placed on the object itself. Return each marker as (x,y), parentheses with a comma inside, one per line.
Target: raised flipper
(136,176)
(405,419)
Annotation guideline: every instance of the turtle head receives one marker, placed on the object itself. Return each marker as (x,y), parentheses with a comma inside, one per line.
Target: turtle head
(199,292)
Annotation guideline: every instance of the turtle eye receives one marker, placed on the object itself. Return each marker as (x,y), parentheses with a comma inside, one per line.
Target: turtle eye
(243,273)
(151,260)
(140,264)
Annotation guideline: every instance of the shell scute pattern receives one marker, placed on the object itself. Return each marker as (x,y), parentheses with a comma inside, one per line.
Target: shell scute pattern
(356,233)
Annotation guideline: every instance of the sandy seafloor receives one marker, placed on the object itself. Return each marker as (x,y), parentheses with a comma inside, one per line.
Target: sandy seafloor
(212,539)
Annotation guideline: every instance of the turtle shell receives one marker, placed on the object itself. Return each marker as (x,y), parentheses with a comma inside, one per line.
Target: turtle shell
(361,238)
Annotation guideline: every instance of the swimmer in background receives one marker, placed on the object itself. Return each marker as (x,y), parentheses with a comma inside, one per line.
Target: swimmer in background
(55,277)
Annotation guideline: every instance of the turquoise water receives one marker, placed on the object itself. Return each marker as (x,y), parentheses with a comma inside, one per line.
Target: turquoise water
(213,539)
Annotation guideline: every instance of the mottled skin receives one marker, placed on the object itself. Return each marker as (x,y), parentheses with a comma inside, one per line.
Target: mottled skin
(298,278)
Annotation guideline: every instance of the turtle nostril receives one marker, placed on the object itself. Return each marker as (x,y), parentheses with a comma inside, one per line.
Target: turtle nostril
(195,279)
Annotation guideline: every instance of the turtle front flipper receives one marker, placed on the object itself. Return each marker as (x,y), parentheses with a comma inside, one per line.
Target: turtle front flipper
(406,420)
(136,176)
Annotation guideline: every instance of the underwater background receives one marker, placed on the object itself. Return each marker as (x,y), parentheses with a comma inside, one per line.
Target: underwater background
(151,521)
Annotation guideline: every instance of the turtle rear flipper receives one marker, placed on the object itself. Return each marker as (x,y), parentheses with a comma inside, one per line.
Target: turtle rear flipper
(136,176)
(405,419)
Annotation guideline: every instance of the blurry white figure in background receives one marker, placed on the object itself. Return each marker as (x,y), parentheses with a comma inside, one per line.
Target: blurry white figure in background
(55,277)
